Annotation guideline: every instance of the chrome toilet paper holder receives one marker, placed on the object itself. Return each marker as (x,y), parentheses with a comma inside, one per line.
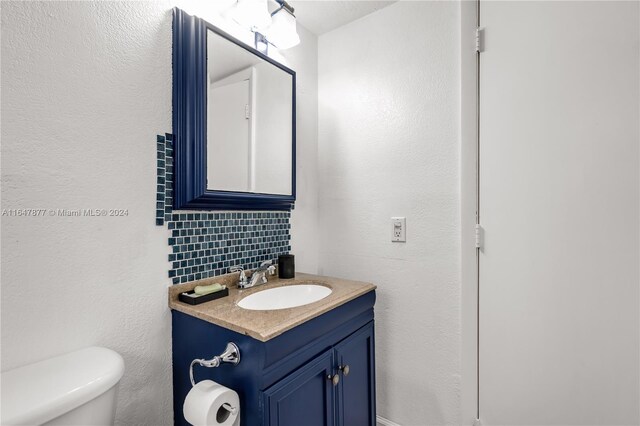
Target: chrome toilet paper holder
(231,355)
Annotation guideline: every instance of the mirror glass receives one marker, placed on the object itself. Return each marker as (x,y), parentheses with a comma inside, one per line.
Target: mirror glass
(249,121)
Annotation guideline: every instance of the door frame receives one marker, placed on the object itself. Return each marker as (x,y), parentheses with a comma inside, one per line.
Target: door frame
(469,122)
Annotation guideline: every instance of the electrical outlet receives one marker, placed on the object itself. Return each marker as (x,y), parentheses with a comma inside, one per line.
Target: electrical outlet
(398,229)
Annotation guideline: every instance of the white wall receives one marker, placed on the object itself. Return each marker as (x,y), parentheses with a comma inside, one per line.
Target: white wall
(389,146)
(86,88)
(304,218)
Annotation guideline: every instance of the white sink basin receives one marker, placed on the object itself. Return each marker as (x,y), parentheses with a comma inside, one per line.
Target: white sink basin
(284,297)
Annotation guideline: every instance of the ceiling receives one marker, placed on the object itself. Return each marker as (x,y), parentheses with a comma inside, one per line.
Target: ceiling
(320,17)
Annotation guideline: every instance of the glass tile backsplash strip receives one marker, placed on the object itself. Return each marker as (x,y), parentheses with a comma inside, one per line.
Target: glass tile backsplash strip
(161,194)
(207,244)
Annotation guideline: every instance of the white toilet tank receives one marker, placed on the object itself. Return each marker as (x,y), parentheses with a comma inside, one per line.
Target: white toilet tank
(78,388)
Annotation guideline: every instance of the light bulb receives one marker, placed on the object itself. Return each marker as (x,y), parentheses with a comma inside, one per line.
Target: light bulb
(283,33)
(252,14)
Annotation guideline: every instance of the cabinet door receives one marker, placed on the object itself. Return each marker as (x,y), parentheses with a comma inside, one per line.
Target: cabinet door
(305,397)
(357,389)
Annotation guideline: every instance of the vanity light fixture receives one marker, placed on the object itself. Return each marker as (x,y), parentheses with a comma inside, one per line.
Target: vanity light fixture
(278,28)
(282,32)
(253,14)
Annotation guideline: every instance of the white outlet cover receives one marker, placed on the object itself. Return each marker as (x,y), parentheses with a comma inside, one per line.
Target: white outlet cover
(398,229)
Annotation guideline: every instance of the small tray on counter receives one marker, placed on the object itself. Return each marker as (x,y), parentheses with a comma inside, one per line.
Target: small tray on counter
(188,297)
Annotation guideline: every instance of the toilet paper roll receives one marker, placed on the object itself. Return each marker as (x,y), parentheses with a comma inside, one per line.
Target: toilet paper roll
(203,405)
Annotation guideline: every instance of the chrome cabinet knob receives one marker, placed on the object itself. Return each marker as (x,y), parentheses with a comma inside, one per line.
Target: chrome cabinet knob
(335,379)
(344,369)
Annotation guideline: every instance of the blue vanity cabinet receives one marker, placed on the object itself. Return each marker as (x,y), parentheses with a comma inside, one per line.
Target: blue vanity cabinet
(305,397)
(290,379)
(336,388)
(356,393)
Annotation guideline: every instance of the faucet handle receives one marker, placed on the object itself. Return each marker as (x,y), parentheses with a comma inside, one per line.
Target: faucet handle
(268,267)
(242,279)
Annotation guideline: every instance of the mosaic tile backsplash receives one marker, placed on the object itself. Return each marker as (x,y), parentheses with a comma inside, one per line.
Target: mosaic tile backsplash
(207,244)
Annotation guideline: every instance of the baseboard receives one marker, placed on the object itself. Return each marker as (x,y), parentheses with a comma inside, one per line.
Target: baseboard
(381,421)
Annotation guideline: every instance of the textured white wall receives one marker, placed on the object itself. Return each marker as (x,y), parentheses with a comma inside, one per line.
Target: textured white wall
(304,218)
(85,89)
(389,146)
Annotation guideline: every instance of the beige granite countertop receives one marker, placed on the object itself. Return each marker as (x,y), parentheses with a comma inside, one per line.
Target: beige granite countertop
(265,325)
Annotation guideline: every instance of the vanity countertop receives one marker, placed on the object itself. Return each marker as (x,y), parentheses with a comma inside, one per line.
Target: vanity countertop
(265,325)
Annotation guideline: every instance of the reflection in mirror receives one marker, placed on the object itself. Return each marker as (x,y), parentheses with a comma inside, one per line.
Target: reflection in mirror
(249,121)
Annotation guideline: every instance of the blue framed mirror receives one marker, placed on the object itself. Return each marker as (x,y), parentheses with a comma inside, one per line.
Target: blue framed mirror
(234,122)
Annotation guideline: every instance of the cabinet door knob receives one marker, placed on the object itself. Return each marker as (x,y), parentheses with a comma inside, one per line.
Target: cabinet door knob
(335,379)
(344,369)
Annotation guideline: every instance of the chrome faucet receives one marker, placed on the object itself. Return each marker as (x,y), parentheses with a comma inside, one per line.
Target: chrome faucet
(259,276)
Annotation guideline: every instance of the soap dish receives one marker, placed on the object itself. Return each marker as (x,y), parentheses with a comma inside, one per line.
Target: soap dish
(191,298)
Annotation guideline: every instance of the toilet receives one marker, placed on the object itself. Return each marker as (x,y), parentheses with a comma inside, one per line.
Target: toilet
(78,388)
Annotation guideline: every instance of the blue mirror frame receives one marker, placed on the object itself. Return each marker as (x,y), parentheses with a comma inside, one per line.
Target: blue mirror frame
(190,124)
